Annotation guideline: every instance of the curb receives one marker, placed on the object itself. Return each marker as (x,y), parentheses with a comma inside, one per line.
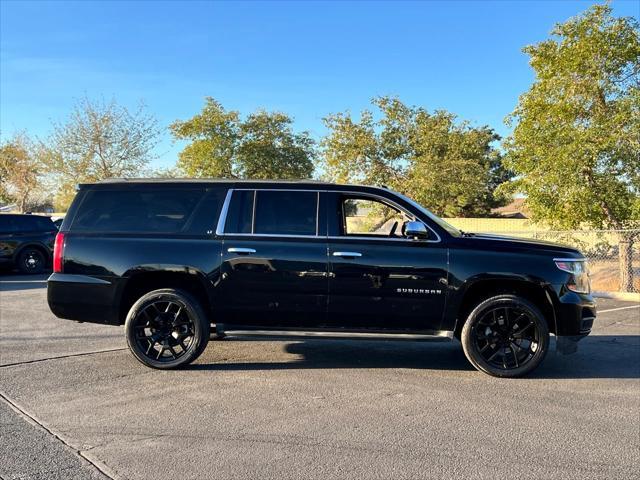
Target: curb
(624,296)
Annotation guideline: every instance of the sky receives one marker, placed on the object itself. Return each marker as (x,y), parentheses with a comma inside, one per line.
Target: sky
(307,59)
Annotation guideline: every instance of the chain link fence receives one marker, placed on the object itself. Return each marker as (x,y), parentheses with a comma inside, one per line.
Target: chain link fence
(614,255)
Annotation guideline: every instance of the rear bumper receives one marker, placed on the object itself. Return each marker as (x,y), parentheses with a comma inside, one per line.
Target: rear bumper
(82,298)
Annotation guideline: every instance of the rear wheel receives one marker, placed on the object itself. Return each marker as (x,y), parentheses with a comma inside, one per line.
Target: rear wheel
(31,261)
(167,329)
(505,336)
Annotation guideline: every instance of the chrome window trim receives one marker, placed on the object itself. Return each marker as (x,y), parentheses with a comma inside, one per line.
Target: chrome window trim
(225,210)
(253,212)
(273,235)
(317,213)
(382,239)
(223,213)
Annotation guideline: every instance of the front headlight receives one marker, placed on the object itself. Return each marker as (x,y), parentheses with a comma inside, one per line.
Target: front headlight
(579,281)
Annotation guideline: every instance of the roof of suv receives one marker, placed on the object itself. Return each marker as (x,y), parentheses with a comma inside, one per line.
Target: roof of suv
(209,181)
(29,215)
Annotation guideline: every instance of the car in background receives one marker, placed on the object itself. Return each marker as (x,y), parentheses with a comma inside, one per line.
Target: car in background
(26,242)
(57,221)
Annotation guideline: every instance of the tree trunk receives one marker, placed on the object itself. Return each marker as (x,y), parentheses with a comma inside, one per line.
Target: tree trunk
(22,204)
(625,256)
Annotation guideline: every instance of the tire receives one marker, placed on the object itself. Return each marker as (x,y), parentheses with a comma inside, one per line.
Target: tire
(31,261)
(505,336)
(167,321)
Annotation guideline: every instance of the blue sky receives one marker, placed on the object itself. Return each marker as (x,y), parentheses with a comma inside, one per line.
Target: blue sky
(307,59)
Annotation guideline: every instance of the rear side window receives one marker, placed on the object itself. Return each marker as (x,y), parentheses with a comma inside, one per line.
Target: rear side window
(273,212)
(286,213)
(44,224)
(137,211)
(240,214)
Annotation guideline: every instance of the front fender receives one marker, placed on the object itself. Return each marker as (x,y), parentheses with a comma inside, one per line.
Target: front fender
(464,295)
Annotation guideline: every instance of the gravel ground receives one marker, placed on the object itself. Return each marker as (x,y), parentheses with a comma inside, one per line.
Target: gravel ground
(75,404)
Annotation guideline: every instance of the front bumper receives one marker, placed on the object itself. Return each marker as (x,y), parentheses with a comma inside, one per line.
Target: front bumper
(575,316)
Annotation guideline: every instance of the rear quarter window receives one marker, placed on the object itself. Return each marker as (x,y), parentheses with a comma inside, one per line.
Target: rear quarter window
(167,210)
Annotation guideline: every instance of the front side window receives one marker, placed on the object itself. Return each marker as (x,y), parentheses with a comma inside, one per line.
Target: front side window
(369,217)
(7,224)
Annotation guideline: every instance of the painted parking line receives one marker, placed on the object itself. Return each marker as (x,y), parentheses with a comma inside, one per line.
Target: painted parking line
(617,309)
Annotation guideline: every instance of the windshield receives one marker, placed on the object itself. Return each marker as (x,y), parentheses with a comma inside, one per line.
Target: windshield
(448,227)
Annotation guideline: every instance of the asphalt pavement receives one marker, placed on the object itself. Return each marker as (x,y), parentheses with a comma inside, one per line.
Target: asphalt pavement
(75,404)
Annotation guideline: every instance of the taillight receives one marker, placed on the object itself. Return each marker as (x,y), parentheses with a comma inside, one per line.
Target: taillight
(58,253)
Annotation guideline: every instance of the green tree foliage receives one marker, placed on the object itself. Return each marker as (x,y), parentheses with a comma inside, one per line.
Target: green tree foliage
(20,172)
(262,146)
(98,141)
(449,166)
(576,142)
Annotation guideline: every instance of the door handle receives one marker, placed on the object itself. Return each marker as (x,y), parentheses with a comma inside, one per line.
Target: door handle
(347,254)
(242,251)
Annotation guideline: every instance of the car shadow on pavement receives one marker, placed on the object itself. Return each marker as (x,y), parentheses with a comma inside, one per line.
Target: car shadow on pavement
(319,354)
(10,281)
(599,356)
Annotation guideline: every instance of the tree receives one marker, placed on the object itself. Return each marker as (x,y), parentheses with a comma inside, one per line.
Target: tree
(98,141)
(575,146)
(214,134)
(262,146)
(20,172)
(449,166)
(269,148)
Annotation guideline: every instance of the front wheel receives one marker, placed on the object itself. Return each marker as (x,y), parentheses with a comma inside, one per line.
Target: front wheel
(505,336)
(167,329)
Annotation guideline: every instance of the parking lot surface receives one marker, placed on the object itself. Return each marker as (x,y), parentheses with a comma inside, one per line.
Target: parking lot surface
(75,404)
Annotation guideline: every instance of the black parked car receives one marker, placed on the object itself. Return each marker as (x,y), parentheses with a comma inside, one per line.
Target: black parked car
(26,242)
(301,259)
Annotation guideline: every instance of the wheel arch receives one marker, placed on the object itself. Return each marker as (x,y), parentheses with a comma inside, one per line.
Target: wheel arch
(41,247)
(477,290)
(140,281)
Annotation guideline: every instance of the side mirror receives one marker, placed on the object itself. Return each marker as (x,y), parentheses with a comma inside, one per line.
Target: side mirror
(415,230)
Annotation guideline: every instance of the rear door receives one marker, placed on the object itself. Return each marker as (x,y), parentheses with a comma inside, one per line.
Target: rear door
(378,278)
(8,241)
(274,269)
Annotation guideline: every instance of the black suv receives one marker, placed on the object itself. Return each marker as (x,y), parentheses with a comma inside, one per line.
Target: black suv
(169,258)
(26,242)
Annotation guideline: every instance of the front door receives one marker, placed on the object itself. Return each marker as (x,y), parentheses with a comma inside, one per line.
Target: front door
(274,270)
(378,278)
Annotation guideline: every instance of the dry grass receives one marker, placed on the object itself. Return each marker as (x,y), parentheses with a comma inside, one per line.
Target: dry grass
(605,276)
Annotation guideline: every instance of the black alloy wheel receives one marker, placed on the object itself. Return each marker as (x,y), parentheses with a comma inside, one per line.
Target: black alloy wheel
(166,329)
(506,336)
(31,261)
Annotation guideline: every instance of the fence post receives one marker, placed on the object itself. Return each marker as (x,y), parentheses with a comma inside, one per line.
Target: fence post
(625,257)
